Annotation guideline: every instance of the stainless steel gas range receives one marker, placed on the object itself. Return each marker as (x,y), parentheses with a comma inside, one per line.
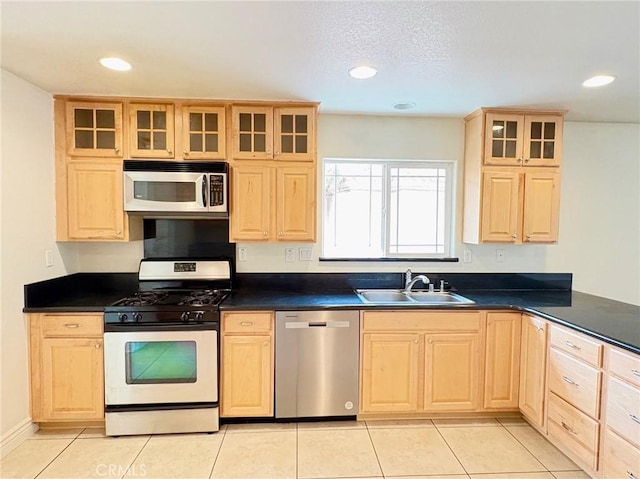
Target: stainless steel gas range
(161,349)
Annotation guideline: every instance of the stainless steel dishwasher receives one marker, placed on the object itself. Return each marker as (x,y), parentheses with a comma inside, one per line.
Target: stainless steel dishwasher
(316,363)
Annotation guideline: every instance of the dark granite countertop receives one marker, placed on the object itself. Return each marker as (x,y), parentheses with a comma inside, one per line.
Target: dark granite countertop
(611,321)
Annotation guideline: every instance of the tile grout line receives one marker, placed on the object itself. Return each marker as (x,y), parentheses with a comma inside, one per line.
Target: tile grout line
(374,448)
(58,455)
(452,451)
(137,456)
(213,466)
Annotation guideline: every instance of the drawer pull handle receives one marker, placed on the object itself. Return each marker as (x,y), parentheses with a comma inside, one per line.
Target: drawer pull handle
(636,372)
(634,418)
(630,475)
(72,325)
(539,328)
(571,345)
(569,428)
(570,381)
(246,323)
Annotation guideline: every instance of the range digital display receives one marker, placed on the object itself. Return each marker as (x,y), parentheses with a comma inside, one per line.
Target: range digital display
(184,267)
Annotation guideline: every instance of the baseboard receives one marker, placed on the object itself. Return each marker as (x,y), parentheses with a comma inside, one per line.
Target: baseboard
(17,436)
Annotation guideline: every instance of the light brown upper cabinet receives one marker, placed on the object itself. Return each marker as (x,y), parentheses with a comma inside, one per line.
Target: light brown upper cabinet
(93,128)
(522,139)
(512,176)
(151,130)
(273,133)
(203,132)
(273,203)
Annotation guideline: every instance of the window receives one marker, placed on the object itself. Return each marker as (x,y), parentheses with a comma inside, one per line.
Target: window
(386,209)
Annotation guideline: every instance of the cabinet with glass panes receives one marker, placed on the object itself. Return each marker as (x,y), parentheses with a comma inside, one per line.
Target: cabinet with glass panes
(151,130)
(93,128)
(203,132)
(284,133)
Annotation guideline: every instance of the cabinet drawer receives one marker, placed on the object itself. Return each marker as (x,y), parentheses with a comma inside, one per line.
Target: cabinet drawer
(575,382)
(625,365)
(577,345)
(247,322)
(623,410)
(573,429)
(621,459)
(420,321)
(60,325)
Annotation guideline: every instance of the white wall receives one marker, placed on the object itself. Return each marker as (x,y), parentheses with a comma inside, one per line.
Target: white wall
(599,217)
(27,216)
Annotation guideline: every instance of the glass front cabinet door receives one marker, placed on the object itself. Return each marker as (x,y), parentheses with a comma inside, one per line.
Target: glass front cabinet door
(203,132)
(151,130)
(94,129)
(294,133)
(252,132)
(522,140)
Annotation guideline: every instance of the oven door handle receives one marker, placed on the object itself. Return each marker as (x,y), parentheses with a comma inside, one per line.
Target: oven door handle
(136,328)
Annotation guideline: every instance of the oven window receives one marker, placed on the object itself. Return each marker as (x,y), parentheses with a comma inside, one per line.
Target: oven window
(160,362)
(165,191)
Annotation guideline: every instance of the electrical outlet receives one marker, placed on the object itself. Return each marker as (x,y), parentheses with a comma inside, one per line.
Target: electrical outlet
(499,255)
(242,254)
(289,255)
(48,258)
(467,258)
(304,254)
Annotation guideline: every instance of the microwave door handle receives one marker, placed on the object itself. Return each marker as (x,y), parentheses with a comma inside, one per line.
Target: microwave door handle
(204,191)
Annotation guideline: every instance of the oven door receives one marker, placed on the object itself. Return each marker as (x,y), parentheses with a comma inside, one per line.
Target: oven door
(164,191)
(155,367)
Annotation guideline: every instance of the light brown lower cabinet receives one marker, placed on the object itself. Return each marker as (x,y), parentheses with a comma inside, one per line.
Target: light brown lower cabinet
(502,360)
(66,360)
(420,362)
(247,367)
(533,360)
(621,459)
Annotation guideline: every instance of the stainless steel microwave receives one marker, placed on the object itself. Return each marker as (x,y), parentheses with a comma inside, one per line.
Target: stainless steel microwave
(156,188)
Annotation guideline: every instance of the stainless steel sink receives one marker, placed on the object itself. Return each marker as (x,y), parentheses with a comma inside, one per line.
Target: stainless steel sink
(399,297)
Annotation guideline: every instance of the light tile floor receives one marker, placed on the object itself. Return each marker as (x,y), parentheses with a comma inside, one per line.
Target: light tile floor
(439,449)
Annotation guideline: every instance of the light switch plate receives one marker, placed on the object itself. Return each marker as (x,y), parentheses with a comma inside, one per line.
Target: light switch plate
(466,258)
(304,254)
(48,258)
(242,254)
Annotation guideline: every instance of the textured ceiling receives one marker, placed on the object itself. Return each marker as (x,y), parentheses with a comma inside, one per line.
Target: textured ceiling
(447,57)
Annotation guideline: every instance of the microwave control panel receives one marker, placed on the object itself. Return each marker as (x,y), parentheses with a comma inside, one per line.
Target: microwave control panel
(216,193)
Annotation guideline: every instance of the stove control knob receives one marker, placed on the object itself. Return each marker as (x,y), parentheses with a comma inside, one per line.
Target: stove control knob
(184,316)
(199,315)
(137,317)
(123,317)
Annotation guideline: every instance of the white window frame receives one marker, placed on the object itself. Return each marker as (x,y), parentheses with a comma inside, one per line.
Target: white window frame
(448,165)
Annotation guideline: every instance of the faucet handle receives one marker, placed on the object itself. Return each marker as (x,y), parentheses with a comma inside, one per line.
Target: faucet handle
(442,285)
(407,277)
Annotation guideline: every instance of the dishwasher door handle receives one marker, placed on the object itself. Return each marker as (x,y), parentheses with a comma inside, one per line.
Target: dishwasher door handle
(316,324)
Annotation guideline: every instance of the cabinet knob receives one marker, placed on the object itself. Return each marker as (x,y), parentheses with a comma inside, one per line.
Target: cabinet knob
(277,153)
(97,345)
(266,343)
(169,151)
(118,232)
(416,341)
(528,237)
(519,160)
(117,150)
(264,233)
(185,152)
(526,160)
(513,236)
(280,234)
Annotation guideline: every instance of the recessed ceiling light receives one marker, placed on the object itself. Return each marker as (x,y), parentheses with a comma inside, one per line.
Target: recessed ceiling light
(113,63)
(405,105)
(598,80)
(362,72)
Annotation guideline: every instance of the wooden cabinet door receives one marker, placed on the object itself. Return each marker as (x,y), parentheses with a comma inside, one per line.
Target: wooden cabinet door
(152,130)
(390,364)
(295,204)
(203,132)
(501,200)
(94,200)
(452,372)
(542,140)
(72,379)
(294,134)
(503,139)
(250,212)
(94,129)
(502,360)
(247,376)
(252,132)
(533,358)
(541,206)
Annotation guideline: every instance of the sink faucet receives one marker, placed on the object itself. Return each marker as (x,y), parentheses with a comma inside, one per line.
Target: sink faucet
(413,281)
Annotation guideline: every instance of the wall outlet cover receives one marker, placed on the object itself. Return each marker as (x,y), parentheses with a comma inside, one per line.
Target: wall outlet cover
(466,256)
(499,255)
(289,255)
(242,254)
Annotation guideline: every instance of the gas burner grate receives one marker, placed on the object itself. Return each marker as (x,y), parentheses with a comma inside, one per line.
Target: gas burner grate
(205,297)
(143,298)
